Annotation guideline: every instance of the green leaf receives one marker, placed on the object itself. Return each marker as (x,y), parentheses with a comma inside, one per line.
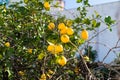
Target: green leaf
(86,21)
(97,14)
(26,1)
(41,56)
(94,23)
(86,2)
(108,22)
(79,1)
(78,8)
(1,56)
(109,28)
(107,19)
(98,24)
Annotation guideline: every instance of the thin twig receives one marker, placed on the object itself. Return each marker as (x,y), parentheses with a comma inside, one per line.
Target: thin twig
(108,66)
(111,50)
(80,52)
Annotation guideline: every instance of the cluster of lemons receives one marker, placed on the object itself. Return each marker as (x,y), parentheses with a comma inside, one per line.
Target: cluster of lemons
(57,49)
(64,31)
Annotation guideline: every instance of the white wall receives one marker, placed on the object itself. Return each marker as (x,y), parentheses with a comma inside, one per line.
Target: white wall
(107,37)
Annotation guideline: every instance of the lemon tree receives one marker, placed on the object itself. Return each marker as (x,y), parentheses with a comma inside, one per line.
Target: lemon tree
(34,45)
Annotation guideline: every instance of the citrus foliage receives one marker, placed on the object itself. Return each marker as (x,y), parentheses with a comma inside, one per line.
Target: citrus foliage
(36,46)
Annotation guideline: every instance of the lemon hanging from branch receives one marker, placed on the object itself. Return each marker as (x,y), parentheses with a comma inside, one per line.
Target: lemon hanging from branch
(62,61)
(61,26)
(55,49)
(47,5)
(7,44)
(84,34)
(51,26)
(70,31)
(65,38)
(63,31)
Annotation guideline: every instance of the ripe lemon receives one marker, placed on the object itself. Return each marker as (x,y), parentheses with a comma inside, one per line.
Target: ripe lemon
(61,26)
(86,58)
(58,48)
(51,26)
(51,48)
(65,38)
(43,77)
(70,31)
(7,44)
(47,5)
(54,49)
(63,31)
(30,51)
(62,61)
(84,34)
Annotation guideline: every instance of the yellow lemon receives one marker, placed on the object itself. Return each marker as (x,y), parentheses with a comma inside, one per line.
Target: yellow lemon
(7,44)
(21,73)
(65,38)
(63,31)
(43,77)
(84,34)
(30,51)
(62,61)
(51,48)
(59,48)
(86,58)
(54,49)
(70,31)
(51,26)
(47,5)
(61,26)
